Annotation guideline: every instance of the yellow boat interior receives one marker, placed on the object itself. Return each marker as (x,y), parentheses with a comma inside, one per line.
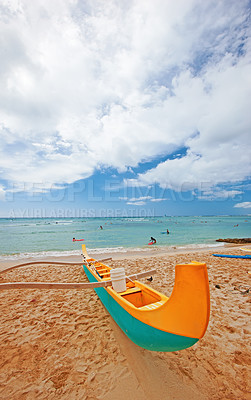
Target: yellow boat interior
(186,312)
(136,293)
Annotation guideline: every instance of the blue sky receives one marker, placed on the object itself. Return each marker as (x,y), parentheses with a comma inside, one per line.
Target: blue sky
(125,108)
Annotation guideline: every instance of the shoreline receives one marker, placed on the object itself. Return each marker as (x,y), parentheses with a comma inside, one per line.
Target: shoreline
(164,251)
(10,260)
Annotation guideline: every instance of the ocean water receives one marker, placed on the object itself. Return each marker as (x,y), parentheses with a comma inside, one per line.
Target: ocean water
(37,237)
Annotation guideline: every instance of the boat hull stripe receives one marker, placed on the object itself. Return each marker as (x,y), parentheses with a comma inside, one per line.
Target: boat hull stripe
(140,333)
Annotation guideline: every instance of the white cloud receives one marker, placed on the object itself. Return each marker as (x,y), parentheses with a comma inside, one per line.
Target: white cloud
(86,85)
(136,203)
(139,201)
(158,200)
(2,193)
(140,198)
(218,193)
(245,204)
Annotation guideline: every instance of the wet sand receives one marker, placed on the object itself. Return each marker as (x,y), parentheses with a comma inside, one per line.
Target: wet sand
(58,344)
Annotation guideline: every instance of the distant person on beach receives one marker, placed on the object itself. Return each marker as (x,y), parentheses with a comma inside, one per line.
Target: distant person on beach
(153,240)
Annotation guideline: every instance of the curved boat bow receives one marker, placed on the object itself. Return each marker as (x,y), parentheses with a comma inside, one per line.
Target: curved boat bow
(151,319)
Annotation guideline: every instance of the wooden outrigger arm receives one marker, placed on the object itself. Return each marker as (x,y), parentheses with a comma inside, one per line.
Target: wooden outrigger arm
(59,285)
(49,262)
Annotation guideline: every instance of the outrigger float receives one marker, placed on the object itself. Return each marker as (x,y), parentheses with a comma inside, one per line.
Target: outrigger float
(247,256)
(149,318)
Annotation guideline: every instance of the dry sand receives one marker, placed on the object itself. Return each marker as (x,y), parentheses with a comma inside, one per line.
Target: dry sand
(59,344)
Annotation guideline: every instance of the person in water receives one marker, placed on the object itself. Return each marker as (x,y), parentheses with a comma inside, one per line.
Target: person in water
(74,240)
(153,240)
(167,232)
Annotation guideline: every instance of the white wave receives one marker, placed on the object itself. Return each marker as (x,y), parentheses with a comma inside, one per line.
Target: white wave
(136,219)
(102,250)
(199,246)
(116,250)
(41,254)
(61,222)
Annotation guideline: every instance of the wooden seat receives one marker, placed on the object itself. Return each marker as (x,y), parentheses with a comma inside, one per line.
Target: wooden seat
(130,291)
(104,274)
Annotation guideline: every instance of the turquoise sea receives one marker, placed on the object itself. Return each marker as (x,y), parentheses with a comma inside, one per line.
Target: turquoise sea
(37,237)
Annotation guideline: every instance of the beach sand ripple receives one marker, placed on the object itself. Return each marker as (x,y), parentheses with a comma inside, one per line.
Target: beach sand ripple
(58,344)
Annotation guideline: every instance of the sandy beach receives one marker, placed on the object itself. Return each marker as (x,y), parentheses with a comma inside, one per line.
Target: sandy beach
(59,344)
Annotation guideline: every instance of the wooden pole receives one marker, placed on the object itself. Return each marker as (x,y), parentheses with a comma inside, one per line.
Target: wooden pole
(39,262)
(50,262)
(59,285)
(103,260)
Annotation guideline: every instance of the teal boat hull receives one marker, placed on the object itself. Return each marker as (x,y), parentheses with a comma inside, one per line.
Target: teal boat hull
(138,332)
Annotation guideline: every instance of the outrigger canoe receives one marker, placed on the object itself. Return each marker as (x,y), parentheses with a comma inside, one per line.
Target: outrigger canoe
(151,319)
